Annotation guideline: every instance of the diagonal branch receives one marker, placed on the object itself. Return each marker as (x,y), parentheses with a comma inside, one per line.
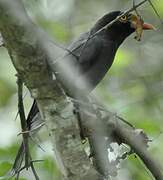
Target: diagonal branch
(116,19)
(26,46)
(25,42)
(156,12)
(83,44)
(23,121)
(118,130)
(152,164)
(137,140)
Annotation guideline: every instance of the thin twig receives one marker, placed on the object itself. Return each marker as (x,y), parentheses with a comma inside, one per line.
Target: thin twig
(17,176)
(100,30)
(156,12)
(145,168)
(118,17)
(32,130)
(101,108)
(23,121)
(25,132)
(18,110)
(84,46)
(138,147)
(37,161)
(38,145)
(33,170)
(135,9)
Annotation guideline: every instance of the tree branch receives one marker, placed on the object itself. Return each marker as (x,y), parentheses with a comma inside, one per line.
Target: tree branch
(137,140)
(25,46)
(118,130)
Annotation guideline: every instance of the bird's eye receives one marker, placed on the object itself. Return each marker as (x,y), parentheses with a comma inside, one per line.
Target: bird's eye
(123,18)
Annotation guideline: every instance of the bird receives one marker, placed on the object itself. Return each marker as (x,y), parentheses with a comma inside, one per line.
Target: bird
(88,59)
(92,56)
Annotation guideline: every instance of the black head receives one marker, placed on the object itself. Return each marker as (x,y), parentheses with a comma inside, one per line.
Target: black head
(121,29)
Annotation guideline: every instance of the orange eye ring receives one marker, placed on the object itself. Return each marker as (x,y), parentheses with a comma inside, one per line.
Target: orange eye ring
(123,18)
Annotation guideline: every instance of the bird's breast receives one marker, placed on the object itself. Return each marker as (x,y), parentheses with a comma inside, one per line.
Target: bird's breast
(102,65)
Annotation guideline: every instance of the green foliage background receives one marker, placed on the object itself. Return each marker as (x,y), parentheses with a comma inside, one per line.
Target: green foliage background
(132,88)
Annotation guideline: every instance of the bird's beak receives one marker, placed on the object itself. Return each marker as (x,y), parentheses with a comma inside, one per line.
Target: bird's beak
(147,26)
(139,25)
(137,22)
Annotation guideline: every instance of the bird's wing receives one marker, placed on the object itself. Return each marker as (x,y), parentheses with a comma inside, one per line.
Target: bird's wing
(86,51)
(33,122)
(17,163)
(74,46)
(32,113)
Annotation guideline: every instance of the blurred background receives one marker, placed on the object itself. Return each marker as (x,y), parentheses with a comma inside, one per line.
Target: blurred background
(133,88)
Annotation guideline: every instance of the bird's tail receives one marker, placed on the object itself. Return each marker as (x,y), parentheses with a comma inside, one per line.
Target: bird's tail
(34,123)
(18,162)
